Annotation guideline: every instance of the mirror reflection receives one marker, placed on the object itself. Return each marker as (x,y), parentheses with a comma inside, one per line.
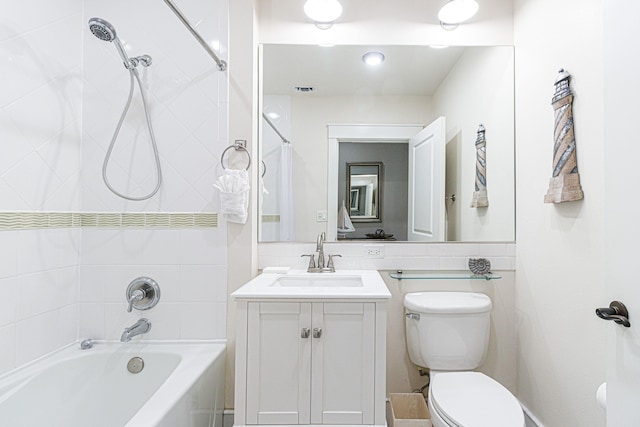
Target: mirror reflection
(307,90)
(363,187)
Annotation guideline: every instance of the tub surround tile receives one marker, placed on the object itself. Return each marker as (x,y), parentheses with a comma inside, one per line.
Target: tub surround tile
(8,300)
(8,345)
(91,320)
(45,328)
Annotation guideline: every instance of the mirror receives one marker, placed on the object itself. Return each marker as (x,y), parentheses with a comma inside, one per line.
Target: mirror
(363,187)
(306,90)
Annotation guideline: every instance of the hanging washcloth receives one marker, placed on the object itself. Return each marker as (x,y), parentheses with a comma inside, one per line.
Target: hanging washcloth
(344,221)
(233,185)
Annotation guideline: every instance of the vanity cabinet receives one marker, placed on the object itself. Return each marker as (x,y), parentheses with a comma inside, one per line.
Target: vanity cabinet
(310,362)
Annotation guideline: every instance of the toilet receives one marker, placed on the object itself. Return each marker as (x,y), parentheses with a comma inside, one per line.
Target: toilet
(448,332)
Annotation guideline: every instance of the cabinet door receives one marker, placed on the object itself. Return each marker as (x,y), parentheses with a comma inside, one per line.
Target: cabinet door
(343,370)
(278,363)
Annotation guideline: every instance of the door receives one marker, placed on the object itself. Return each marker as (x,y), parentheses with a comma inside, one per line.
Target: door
(278,363)
(426,183)
(343,369)
(621,206)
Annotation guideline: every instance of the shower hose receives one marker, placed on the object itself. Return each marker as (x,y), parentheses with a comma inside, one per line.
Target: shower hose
(133,74)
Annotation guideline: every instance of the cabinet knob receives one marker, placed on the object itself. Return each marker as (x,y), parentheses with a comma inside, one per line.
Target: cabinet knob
(317,332)
(304,333)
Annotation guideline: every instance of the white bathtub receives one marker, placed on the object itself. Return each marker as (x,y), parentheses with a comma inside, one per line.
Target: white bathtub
(181,385)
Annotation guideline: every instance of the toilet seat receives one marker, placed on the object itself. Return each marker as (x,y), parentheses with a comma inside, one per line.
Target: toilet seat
(472,399)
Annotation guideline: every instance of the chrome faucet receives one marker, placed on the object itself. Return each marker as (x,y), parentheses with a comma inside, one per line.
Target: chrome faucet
(142,326)
(319,266)
(320,250)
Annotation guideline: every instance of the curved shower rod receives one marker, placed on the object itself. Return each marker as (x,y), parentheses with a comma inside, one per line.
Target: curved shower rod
(222,65)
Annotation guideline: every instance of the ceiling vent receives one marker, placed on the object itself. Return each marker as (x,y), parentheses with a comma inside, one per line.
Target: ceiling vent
(304,89)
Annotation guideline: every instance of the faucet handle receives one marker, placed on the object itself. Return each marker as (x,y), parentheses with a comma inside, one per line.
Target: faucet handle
(330,262)
(136,295)
(312,262)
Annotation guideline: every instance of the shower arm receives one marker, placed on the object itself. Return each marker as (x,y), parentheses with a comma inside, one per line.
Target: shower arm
(266,118)
(222,65)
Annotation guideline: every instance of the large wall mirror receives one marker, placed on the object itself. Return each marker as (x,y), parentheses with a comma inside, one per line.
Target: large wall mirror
(307,90)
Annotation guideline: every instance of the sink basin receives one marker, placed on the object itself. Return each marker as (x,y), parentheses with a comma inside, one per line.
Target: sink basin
(298,284)
(323,280)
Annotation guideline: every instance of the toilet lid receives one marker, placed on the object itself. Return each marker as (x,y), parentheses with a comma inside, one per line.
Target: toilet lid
(472,399)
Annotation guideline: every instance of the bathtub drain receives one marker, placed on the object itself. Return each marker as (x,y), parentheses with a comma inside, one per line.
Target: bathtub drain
(135,365)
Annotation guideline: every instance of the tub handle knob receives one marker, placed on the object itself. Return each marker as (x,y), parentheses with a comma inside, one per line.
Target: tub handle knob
(137,295)
(142,293)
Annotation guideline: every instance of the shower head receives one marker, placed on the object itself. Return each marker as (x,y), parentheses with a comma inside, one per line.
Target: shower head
(105,31)
(102,29)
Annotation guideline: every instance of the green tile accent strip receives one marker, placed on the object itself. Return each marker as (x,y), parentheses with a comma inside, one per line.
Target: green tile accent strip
(133,220)
(36,220)
(205,220)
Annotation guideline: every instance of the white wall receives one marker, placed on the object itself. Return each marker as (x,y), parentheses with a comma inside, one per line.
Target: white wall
(187,97)
(559,276)
(310,116)
(40,132)
(480,90)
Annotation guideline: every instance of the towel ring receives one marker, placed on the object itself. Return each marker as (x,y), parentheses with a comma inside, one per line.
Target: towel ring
(239,145)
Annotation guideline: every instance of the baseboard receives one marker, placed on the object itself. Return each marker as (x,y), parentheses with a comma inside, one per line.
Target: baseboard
(227,418)
(530,419)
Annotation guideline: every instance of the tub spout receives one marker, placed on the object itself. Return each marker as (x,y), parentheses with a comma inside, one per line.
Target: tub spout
(142,326)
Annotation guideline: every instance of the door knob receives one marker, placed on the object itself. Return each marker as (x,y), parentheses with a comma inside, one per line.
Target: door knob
(616,312)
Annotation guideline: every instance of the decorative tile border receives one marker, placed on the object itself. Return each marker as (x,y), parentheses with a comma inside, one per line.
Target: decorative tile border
(31,220)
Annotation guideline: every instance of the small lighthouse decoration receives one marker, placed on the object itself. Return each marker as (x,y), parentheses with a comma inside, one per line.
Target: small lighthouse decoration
(480,199)
(564,185)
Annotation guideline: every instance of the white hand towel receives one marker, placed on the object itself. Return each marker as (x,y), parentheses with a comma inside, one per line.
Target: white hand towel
(233,185)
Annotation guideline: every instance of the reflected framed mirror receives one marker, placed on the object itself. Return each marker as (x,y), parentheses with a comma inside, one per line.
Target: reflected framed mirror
(364,185)
(302,99)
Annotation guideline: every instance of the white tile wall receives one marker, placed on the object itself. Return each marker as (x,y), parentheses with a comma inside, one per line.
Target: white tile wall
(61,94)
(187,97)
(397,256)
(38,293)
(189,266)
(40,134)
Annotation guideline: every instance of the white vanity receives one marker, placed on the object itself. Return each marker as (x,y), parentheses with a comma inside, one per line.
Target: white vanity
(310,349)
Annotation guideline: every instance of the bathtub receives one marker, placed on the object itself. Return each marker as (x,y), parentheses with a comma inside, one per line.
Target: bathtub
(181,385)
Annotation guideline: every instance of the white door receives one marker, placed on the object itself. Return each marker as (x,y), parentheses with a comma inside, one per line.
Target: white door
(278,363)
(343,363)
(622,206)
(426,183)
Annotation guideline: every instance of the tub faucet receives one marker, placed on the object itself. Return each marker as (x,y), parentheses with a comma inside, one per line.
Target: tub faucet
(142,326)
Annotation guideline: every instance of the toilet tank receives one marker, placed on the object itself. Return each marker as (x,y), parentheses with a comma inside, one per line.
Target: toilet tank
(447,331)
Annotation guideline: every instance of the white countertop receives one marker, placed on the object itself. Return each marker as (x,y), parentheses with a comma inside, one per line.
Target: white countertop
(298,284)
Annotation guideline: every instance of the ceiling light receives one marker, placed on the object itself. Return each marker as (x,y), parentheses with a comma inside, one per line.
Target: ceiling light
(457,11)
(438,46)
(323,13)
(373,58)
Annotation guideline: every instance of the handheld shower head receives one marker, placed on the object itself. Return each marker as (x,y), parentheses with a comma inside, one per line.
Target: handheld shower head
(102,29)
(105,31)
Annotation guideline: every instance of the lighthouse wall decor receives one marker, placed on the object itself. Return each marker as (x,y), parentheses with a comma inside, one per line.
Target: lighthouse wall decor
(564,185)
(480,198)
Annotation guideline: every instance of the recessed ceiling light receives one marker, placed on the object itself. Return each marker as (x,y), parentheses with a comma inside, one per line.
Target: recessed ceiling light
(323,12)
(373,58)
(458,11)
(438,46)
